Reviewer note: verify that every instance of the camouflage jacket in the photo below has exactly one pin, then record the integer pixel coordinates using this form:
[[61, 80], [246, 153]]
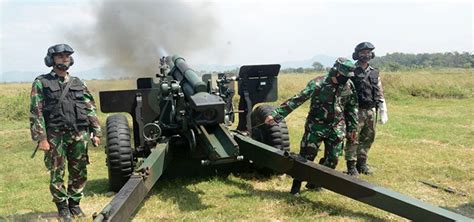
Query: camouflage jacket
[[37, 121], [331, 105]]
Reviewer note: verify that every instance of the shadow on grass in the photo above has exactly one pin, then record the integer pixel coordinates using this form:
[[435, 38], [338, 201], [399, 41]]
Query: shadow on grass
[[318, 206], [263, 175], [466, 209], [177, 191], [32, 216], [98, 186]]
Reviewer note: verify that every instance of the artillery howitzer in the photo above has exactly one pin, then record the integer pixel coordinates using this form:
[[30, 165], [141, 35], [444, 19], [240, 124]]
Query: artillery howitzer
[[180, 128]]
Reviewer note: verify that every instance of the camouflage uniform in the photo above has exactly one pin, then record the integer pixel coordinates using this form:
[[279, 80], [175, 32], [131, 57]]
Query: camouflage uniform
[[366, 135], [67, 143], [333, 112], [358, 149]]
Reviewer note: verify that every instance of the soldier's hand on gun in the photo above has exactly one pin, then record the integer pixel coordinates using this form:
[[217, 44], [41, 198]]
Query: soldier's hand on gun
[[269, 120], [95, 141], [43, 145]]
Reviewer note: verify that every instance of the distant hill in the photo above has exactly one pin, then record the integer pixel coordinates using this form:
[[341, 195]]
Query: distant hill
[[18, 76], [327, 61], [29, 76], [98, 73]]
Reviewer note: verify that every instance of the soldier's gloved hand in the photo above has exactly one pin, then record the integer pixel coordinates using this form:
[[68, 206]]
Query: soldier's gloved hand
[[383, 117], [383, 113], [43, 145]]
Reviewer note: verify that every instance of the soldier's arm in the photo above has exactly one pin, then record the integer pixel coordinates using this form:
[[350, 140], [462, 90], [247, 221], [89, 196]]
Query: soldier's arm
[[294, 102], [91, 110], [37, 124], [351, 111]]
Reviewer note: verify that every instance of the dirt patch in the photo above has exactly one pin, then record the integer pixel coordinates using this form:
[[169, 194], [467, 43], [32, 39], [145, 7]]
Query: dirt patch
[[432, 142]]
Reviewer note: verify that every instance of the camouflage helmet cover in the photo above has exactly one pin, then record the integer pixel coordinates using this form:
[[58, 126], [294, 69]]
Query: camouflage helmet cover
[[345, 66]]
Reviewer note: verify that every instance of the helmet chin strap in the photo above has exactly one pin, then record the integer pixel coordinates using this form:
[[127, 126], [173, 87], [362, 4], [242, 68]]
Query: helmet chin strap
[[62, 67]]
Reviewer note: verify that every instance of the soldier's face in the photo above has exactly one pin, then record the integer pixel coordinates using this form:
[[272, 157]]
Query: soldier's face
[[365, 52], [340, 78], [365, 55], [62, 58]]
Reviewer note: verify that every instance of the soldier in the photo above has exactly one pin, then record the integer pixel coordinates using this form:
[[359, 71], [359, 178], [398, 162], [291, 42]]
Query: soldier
[[371, 99], [63, 118], [332, 115]]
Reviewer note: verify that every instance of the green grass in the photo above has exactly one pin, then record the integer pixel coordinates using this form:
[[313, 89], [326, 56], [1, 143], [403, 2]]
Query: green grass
[[429, 136]]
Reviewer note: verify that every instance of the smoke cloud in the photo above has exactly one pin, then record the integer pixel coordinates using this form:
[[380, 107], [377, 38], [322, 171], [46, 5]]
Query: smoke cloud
[[132, 35]]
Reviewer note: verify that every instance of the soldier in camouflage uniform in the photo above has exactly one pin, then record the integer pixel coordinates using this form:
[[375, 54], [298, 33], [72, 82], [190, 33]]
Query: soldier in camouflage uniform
[[63, 123], [371, 99], [332, 115]]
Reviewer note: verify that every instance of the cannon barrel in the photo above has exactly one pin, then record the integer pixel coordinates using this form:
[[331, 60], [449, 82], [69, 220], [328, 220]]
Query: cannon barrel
[[181, 71], [207, 109]]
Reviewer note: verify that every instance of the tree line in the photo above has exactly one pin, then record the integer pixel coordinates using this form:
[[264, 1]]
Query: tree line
[[406, 61], [401, 61]]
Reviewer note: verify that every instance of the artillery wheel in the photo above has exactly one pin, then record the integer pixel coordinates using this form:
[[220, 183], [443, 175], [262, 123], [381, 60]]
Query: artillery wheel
[[275, 135], [119, 151]]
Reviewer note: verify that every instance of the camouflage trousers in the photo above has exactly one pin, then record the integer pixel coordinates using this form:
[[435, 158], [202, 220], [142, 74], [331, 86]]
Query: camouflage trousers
[[67, 147], [314, 135], [359, 149]]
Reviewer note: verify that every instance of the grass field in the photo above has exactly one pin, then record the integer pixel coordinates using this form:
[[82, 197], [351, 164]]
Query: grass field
[[429, 136]]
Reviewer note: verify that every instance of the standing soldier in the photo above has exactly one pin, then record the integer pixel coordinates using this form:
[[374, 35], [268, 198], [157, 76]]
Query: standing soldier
[[63, 118], [371, 100], [332, 115]]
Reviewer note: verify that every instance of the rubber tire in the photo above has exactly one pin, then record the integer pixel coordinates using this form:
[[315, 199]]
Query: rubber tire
[[119, 151], [275, 135]]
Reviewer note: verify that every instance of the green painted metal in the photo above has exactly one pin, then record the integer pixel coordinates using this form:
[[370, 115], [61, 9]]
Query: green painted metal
[[154, 165], [343, 184], [218, 141], [126, 201]]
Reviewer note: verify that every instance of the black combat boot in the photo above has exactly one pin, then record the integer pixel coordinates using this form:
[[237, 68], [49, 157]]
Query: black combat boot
[[351, 168], [76, 211], [296, 187], [362, 167], [63, 212]]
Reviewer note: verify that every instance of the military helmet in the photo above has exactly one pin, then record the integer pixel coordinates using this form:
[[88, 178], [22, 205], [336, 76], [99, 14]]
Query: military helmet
[[59, 48], [362, 46], [344, 66]]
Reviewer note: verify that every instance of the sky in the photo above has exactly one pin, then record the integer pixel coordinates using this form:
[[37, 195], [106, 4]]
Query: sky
[[226, 32]]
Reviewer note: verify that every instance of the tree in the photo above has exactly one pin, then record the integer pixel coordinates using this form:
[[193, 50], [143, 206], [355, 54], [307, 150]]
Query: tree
[[318, 66]]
